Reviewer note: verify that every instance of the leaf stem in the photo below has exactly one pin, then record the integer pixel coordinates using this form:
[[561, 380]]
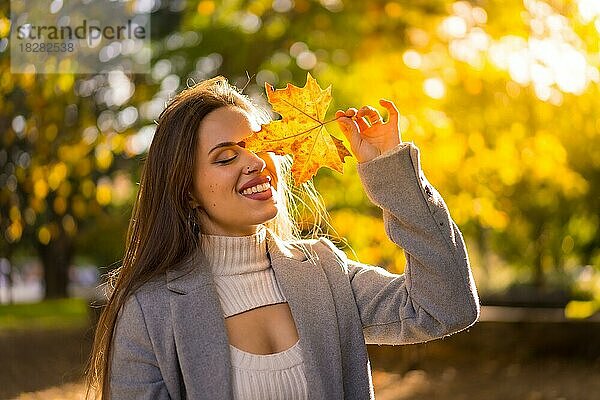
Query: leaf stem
[[330, 120]]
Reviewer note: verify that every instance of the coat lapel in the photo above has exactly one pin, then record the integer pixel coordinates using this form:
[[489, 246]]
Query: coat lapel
[[309, 296], [199, 331], [201, 336]]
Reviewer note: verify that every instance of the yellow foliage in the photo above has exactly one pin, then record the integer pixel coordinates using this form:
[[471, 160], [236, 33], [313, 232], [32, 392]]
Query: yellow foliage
[[366, 234], [40, 188], [51, 132], [275, 27], [14, 213], [65, 82], [448, 154], [573, 184], [506, 161], [78, 205], [460, 206], [57, 175], [476, 142], [567, 244], [258, 7], [37, 173], [60, 205], [104, 157], [4, 26], [27, 80], [393, 9], [117, 143], [44, 235], [488, 215], [87, 188], [84, 167], [549, 153], [64, 189], [206, 7], [103, 193], [72, 154], [69, 225], [583, 227], [581, 309], [37, 204], [14, 231]]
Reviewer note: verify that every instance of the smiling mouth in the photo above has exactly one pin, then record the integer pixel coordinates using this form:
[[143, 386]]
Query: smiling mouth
[[262, 195], [256, 189]]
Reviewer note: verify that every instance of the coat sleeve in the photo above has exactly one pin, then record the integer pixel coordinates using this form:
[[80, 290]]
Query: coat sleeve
[[436, 296], [134, 370]]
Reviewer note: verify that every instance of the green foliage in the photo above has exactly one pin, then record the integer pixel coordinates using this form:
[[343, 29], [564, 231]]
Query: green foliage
[[55, 314]]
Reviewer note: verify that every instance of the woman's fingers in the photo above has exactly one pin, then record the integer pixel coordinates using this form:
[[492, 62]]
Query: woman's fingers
[[347, 125], [366, 132], [371, 113], [362, 124], [392, 111], [351, 113]]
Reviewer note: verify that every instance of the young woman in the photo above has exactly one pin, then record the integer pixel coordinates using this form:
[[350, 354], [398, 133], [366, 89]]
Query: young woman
[[219, 298]]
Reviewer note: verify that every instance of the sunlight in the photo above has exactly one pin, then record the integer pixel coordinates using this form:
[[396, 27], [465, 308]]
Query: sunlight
[[434, 88], [589, 10], [140, 142], [412, 59], [552, 58], [454, 26]]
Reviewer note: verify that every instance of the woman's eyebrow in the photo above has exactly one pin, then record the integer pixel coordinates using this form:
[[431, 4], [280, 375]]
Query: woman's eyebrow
[[227, 144]]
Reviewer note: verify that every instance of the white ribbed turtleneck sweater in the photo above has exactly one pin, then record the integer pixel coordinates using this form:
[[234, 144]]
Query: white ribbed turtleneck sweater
[[245, 280]]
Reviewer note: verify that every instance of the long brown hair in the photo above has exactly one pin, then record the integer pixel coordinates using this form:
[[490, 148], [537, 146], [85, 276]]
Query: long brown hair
[[164, 229]]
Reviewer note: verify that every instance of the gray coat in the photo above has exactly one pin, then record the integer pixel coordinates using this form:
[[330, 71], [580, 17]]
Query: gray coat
[[171, 343]]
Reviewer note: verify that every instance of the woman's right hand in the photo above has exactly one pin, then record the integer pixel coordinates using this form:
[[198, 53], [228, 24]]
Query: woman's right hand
[[368, 141]]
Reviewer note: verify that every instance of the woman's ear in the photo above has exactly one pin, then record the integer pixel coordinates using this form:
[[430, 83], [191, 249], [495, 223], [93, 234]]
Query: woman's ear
[[193, 203]]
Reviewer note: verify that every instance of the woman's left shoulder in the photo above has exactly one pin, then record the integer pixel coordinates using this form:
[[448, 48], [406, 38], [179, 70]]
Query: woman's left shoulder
[[322, 248]]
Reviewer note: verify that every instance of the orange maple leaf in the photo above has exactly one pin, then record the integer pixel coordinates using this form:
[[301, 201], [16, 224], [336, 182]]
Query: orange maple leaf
[[301, 132]]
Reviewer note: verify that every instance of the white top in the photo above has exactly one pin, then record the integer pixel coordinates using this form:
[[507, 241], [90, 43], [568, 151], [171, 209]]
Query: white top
[[269, 377], [242, 271], [245, 280]]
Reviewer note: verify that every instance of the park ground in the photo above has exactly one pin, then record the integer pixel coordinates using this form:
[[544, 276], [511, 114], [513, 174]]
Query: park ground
[[492, 360]]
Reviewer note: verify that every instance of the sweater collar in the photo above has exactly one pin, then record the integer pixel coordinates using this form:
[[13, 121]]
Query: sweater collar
[[233, 255], [192, 272]]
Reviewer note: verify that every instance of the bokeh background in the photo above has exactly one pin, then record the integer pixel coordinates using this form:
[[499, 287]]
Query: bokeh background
[[502, 98]]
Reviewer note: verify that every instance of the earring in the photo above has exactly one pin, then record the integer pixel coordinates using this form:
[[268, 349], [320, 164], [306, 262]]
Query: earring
[[193, 224]]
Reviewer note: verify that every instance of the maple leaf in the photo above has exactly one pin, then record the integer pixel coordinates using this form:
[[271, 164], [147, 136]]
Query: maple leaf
[[301, 132]]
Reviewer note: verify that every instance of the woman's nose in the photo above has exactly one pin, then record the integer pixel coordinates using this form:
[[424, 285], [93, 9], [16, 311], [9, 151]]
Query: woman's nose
[[255, 163]]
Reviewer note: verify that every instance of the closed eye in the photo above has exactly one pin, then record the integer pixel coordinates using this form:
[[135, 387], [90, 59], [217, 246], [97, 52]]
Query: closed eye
[[227, 161]]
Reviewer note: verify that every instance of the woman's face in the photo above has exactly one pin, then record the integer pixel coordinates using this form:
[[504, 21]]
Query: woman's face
[[223, 168]]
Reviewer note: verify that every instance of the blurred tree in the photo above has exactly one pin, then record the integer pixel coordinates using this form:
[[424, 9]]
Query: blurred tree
[[66, 156], [505, 125], [58, 169]]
